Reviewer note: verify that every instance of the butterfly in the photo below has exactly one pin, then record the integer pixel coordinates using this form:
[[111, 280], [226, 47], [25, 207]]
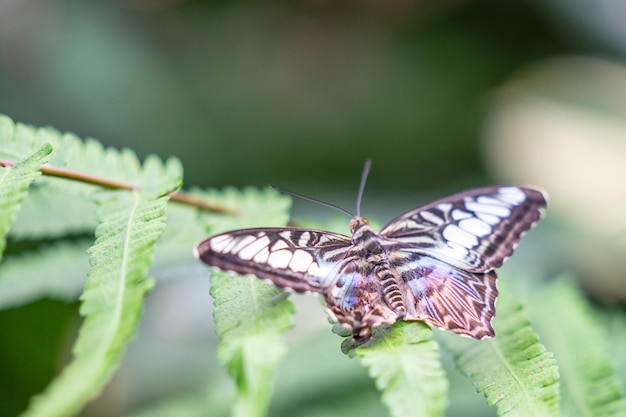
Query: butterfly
[[434, 264]]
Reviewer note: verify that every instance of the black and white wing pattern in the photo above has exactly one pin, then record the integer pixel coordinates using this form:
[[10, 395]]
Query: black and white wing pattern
[[434, 264], [449, 298], [293, 258], [446, 253], [476, 230]]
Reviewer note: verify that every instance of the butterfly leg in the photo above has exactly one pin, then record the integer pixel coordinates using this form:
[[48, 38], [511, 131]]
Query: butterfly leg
[[362, 334], [361, 315]]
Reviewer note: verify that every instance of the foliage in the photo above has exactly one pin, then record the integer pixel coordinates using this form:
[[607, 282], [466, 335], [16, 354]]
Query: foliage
[[140, 233], [405, 363], [250, 317], [129, 224], [21, 280], [514, 371], [14, 182], [590, 383]]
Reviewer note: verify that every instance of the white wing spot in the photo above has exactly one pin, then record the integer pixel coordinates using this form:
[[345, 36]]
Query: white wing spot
[[219, 242], [262, 256], [322, 239], [431, 217], [483, 199], [252, 249], [304, 239], [313, 269], [243, 242], [279, 259], [445, 207], [301, 261], [460, 214], [335, 253], [475, 226], [488, 218], [228, 247], [458, 251], [512, 195], [280, 244], [285, 235], [499, 211], [454, 233]]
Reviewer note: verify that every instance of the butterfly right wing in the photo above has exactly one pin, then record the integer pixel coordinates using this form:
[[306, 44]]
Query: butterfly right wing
[[303, 260], [476, 230], [447, 297]]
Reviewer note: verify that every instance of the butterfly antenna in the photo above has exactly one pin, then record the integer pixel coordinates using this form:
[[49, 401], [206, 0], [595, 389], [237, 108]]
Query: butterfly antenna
[[366, 171], [312, 200]]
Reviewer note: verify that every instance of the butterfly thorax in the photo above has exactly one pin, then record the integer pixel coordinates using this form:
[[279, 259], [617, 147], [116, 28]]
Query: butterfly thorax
[[367, 292]]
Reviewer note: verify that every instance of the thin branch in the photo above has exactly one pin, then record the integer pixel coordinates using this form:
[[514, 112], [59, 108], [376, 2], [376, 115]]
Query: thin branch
[[192, 200], [178, 196]]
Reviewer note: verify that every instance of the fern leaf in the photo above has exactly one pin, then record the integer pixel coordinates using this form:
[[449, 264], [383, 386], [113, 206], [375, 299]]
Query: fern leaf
[[14, 182], [207, 401], [60, 217], [514, 371], [253, 207], [250, 315], [590, 383], [70, 152], [129, 224], [406, 366], [23, 280], [614, 323]]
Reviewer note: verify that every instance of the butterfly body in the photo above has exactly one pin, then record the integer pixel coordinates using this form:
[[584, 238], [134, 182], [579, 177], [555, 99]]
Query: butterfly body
[[433, 264]]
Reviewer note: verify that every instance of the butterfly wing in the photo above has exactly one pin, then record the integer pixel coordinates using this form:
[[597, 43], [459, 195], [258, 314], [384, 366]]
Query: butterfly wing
[[302, 260], [449, 298], [475, 230]]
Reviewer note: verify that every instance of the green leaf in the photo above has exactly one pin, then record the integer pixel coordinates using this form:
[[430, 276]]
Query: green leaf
[[55, 271], [129, 224], [406, 366], [613, 320], [70, 152], [513, 370], [66, 266], [14, 183], [589, 382], [19, 140], [250, 315], [67, 211], [253, 207], [250, 318], [207, 401]]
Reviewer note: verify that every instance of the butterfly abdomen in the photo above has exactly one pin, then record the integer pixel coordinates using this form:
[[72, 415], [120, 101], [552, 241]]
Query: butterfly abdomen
[[390, 289]]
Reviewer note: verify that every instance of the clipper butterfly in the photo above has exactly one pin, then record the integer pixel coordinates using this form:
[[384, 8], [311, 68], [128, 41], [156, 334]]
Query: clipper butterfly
[[434, 264]]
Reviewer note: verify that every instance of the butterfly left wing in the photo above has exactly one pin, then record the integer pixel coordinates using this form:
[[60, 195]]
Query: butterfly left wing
[[449, 298], [475, 230], [293, 258]]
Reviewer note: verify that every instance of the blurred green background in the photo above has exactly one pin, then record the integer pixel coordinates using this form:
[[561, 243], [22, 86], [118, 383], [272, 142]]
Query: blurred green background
[[442, 94], [264, 92]]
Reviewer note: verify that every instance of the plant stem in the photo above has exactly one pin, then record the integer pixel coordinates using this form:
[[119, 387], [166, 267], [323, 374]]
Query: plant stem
[[178, 196]]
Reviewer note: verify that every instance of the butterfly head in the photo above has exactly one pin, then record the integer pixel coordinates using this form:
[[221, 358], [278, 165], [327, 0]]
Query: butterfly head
[[357, 223]]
